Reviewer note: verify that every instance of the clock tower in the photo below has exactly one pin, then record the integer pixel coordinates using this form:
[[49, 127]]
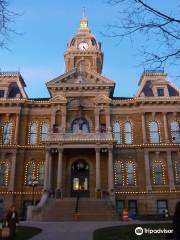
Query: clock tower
[[84, 51]]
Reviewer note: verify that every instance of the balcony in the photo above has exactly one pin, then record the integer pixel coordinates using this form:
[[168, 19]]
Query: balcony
[[79, 137]]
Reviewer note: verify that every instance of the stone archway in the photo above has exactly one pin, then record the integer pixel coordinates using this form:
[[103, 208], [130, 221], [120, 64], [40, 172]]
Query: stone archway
[[80, 178]]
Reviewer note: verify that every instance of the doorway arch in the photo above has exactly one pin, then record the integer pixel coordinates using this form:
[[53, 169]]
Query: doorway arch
[[80, 178]]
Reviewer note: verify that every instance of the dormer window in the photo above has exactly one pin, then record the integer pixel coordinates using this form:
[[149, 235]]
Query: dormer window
[[160, 92], [1, 93]]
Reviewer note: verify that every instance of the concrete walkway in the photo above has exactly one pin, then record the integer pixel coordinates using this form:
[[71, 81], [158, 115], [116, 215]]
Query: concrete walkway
[[68, 230], [74, 230]]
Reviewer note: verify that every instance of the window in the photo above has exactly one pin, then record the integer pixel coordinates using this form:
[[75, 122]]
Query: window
[[120, 205], [162, 205], [175, 132], [1, 93], [3, 174], [80, 125], [40, 174], [7, 133], [119, 173], [117, 132], [177, 172], [44, 131], [158, 173], [160, 92], [128, 133], [130, 169], [132, 208], [33, 133], [29, 173], [154, 132]]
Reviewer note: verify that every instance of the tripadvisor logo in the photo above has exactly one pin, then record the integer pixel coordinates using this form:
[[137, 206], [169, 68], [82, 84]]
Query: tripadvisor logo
[[139, 231]]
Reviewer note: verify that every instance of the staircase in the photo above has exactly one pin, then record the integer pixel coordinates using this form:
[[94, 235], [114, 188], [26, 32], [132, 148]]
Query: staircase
[[89, 210]]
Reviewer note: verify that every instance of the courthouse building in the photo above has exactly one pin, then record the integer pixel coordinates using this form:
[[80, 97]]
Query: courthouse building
[[83, 139]]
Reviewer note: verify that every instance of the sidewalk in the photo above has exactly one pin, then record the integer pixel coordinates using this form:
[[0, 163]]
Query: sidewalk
[[68, 230], [74, 230]]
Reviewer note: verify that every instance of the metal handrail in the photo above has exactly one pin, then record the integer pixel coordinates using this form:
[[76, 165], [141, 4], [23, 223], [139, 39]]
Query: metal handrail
[[77, 203]]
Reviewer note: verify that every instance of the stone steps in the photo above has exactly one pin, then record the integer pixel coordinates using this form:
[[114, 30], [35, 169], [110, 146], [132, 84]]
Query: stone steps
[[89, 210]]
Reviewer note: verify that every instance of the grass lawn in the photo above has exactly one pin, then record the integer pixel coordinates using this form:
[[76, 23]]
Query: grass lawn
[[24, 233], [127, 232]]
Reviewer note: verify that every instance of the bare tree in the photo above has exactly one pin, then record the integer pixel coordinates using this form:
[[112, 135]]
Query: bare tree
[[156, 27], [6, 19]]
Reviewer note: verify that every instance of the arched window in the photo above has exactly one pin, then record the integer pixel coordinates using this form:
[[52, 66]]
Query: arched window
[[119, 173], [117, 132], [175, 131], [7, 133], [154, 132], [158, 173], [40, 174], [130, 172], [4, 172], [80, 125], [29, 173], [177, 172], [44, 131], [33, 133], [128, 133]]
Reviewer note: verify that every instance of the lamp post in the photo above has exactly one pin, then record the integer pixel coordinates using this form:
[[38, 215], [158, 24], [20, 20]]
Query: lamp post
[[33, 182]]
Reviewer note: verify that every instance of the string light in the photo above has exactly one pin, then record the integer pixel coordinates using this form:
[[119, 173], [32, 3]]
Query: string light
[[28, 166], [11, 134], [123, 167], [177, 172], [156, 164], [6, 172]]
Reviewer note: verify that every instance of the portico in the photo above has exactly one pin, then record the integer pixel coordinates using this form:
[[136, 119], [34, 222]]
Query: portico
[[59, 161]]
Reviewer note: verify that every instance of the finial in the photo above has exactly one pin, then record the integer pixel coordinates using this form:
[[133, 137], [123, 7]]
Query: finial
[[84, 21], [84, 11]]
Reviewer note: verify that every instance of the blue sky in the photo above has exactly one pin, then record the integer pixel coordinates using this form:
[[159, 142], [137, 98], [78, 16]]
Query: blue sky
[[46, 26]]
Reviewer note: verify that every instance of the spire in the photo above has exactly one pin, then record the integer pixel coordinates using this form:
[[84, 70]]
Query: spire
[[84, 21]]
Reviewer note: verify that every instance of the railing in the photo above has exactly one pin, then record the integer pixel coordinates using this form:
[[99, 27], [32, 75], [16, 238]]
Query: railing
[[79, 137], [10, 73], [77, 203], [149, 71]]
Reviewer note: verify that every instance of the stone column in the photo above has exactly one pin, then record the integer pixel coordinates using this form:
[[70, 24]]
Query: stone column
[[144, 128], [170, 171], [110, 170], [59, 169], [53, 117], [108, 122], [147, 171], [12, 173], [63, 122], [165, 127], [17, 129], [46, 168], [97, 120], [50, 172], [98, 169]]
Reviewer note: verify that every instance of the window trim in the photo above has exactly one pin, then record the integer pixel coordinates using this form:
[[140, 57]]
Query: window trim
[[119, 133], [35, 134], [128, 132], [154, 132]]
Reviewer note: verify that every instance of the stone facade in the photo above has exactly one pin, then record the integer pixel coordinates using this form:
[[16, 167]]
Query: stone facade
[[125, 147]]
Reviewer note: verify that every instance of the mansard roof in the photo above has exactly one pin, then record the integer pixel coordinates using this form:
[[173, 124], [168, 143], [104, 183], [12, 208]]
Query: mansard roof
[[152, 80]]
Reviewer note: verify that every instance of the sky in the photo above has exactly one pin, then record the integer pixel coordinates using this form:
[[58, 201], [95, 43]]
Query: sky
[[45, 27]]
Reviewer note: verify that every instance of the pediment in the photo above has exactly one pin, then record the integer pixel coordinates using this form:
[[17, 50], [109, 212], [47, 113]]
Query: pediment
[[102, 99], [59, 99], [75, 77]]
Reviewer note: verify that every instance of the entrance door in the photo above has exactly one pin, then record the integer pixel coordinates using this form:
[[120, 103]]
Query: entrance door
[[80, 179]]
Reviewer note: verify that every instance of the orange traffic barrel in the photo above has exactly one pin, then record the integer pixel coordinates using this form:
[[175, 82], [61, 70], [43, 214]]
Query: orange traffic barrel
[[125, 216], [76, 217]]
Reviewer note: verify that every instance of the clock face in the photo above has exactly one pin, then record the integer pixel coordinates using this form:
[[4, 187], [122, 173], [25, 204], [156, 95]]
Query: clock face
[[83, 46]]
